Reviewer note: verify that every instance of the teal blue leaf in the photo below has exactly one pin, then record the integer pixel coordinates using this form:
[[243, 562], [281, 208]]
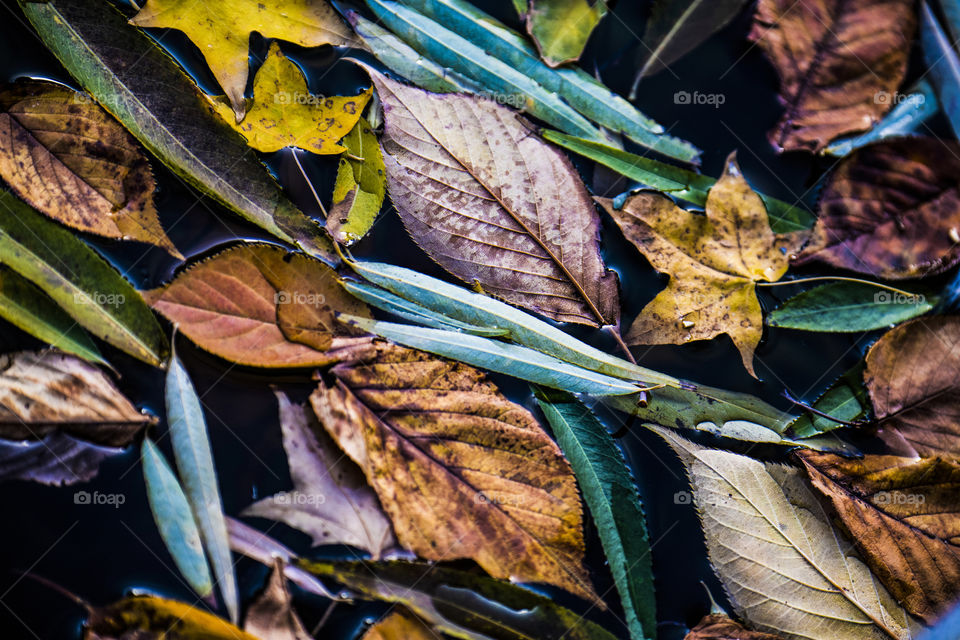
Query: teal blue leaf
[[943, 65]]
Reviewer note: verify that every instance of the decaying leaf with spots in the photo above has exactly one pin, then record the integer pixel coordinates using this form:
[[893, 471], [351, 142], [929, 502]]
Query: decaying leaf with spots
[[461, 471], [360, 188], [713, 260], [221, 30], [400, 625], [63, 154], [286, 114], [151, 617], [720, 627], [903, 514], [840, 64], [913, 377], [891, 210], [257, 305]]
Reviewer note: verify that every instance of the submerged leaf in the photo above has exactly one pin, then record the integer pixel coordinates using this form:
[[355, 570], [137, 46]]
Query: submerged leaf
[[271, 616], [561, 28], [56, 459], [400, 625], [943, 63], [435, 438], [840, 64], [360, 187], [70, 160], [492, 203], [150, 617]]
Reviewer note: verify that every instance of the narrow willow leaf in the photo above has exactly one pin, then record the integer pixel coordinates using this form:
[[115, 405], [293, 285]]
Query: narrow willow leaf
[[360, 187], [79, 280], [612, 497], [845, 400], [171, 512], [146, 616], [948, 628], [943, 64], [919, 105], [679, 183], [847, 307], [31, 310], [191, 446], [494, 355], [141, 86]]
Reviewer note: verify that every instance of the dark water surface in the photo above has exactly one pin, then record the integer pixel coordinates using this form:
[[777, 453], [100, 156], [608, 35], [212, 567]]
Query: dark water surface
[[101, 552]]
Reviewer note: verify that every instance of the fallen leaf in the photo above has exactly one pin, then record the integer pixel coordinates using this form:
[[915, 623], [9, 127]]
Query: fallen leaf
[[714, 261], [492, 203], [286, 114], [940, 56], [461, 471], [271, 615], [152, 618], [783, 566], [47, 392], [720, 627], [360, 187], [256, 304], [891, 210], [400, 625], [330, 500], [903, 515], [56, 459], [913, 376], [840, 64], [221, 30], [561, 28], [63, 154]]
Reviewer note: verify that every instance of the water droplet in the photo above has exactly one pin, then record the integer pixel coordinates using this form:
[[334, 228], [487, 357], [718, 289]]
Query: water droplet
[[954, 234]]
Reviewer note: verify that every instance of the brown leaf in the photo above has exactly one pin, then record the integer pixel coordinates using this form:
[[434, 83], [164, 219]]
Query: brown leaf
[[904, 516], [71, 161], [271, 616], [49, 391], [720, 627], [491, 202], [400, 625], [714, 261], [913, 377], [461, 471], [840, 63], [153, 618], [257, 305], [891, 210]]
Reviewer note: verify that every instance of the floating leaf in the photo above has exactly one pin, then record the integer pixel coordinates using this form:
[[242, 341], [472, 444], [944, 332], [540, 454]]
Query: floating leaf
[[286, 114], [399, 625], [913, 376], [191, 447], [257, 305], [840, 64], [784, 567], [847, 307], [152, 617], [612, 497], [714, 261], [527, 235], [891, 210], [360, 187], [943, 64], [56, 459], [434, 437], [70, 160], [330, 501], [143, 88], [845, 400], [221, 30], [78, 280], [561, 28], [174, 519], [271, 616], [721, 627], [903, 515]]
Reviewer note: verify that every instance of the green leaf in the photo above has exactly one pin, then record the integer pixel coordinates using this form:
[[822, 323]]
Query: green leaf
[[79, 280], [609, 492], [846, 399], [465, 605], [29, 309], [191, 447], [679, 183], [847, 307], [360, 187], [142, 87], [171, 512], [561, 28], [943, 65]]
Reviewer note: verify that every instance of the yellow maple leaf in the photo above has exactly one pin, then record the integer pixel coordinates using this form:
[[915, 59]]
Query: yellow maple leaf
[[221, 30], [286, 114], [714, 261]]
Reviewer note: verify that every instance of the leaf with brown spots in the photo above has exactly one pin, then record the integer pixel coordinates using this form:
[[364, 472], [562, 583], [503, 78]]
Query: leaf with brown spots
[[491, 202], [461, 471], [891, 210], [840, 64], [904, 516], [720, 627], [714, 261], [257, 305], [400, 625], [913, 377], [63, 154]]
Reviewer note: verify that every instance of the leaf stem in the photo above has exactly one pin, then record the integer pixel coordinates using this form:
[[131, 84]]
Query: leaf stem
[[309, 184], [612, 329], [842, 278]]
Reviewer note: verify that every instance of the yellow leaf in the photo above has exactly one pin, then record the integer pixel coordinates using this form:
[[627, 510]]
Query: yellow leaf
[[713, 260], [286, 114], [221, 30], [400, 625]]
